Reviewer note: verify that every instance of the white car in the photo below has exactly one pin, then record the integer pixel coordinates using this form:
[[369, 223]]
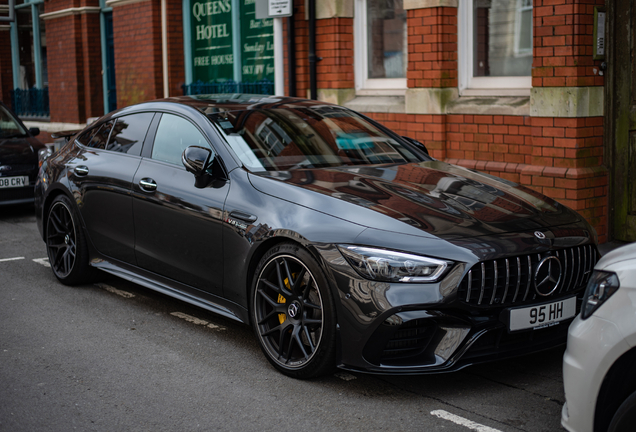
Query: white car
[[599, 365]]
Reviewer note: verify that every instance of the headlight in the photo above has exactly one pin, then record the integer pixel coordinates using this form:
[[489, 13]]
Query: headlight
[[600, 287], [44, 154], [390, 266]]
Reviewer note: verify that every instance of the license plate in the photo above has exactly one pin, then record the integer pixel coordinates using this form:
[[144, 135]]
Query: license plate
[[12, 182], [541, 316]]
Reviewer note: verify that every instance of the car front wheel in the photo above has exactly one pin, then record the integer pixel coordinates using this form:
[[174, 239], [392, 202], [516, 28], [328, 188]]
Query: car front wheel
[[625, 418], [293, 312]]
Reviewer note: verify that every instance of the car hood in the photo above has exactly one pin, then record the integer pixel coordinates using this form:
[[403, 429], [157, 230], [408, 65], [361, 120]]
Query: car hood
[[428, 199], [19, 150]]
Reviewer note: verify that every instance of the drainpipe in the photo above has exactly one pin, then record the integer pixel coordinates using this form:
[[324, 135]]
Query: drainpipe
[[291, 55], [164, 49], [312, 51]]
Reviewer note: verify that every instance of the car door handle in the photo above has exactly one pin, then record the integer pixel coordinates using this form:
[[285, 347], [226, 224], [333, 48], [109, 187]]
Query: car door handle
[[148, 184], [81, 170], [243, 216]]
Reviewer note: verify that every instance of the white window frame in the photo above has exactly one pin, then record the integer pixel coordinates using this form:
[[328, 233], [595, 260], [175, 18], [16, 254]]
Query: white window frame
[[364, 85], [520, 10], [482, 86]]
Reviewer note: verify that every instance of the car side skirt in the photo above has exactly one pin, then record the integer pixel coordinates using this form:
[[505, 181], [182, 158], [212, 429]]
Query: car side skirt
[[178, 291]]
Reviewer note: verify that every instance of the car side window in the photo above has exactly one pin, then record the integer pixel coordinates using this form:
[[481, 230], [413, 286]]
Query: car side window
[[97, 137], [174, 135], [129, 133]]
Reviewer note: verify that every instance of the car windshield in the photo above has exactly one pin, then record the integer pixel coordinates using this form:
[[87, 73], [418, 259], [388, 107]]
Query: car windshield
[[9, 127], [286, 138]]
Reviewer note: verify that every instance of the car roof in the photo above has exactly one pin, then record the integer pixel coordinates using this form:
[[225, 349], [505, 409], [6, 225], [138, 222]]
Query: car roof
[[211, 103]]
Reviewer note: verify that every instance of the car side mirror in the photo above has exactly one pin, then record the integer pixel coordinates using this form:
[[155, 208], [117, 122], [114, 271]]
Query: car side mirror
[[417, 144], [34, 131], [196, 159]]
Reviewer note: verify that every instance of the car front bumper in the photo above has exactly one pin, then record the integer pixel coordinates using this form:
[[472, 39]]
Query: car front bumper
[[593, 346], [393, 328]]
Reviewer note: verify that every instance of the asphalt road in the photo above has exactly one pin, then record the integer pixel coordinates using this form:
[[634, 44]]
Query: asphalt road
[[114, 356]]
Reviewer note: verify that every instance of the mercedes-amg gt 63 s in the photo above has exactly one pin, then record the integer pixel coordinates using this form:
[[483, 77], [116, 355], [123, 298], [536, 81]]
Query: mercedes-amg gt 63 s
[[340, 242]]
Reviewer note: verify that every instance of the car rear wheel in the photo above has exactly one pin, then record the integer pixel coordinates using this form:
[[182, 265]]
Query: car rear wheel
[[65, 243], [293, 312]]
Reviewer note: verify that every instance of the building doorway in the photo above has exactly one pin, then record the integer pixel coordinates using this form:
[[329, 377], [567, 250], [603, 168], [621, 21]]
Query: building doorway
[[620, 118]]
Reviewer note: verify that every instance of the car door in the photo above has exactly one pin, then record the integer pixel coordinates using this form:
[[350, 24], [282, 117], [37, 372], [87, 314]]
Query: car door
[[102, 175], [178, 226]]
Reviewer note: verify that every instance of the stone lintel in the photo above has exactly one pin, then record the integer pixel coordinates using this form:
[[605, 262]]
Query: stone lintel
[[423, 4], [377, 104], [567, 101], [336, 96], [70, 11], [490, 105], [326, 9], [429, 100], [115, 3]]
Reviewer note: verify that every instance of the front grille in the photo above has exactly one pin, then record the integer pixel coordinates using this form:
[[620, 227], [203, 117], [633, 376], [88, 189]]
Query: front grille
[[10, 194], [18, 169], [509, 281]]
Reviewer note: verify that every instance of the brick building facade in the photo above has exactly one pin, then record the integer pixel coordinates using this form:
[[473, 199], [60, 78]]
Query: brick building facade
[[548, 134]]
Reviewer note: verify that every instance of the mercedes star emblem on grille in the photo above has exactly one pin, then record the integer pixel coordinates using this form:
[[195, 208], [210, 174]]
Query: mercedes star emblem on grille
[[547, 276]]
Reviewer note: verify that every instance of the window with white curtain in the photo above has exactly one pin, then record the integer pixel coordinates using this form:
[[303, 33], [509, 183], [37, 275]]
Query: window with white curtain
[[380, 45], [495, 46]]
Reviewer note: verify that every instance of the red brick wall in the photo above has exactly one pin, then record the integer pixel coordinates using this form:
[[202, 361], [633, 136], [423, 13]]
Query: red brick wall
[[65, 64], [334, 43], [176, 65], [91, 50], [563, 45], [432, 44], [74, 63], [301, 42], [6, 72], [561, 158], [137, 31]]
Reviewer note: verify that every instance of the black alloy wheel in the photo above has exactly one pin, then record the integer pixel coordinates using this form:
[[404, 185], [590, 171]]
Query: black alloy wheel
[[65, 243], [293, 313]]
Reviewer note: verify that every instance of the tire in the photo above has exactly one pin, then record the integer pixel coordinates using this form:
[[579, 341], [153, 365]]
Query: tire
[[625, 418], [66, 243], [293, 313]]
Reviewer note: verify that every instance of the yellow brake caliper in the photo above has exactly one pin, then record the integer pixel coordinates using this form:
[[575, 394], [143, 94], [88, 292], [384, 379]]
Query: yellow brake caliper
[[282, 317]]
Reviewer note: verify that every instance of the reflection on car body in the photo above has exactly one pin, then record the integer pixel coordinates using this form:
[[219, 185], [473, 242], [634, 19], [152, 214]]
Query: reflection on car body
[[340, 242]]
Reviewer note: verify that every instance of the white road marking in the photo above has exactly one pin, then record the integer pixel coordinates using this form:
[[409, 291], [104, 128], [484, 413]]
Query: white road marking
[[462, 421], [197, 321], [11, 259], [114, 290], [43, 261]]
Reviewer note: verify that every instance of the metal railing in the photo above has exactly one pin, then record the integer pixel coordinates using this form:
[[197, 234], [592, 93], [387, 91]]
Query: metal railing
[[264, 87], [32, 102]]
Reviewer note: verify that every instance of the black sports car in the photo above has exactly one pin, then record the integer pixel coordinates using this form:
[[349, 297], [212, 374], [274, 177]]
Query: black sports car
[[340, 242], [18, 159]]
